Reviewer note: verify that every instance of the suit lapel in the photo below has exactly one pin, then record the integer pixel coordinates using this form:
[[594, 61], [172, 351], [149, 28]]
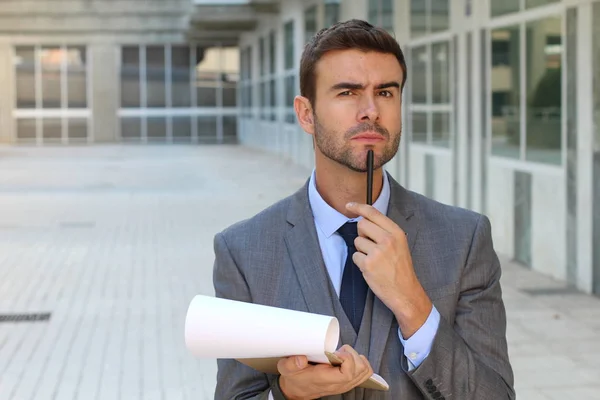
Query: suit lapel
[[401, 211], [305, 253]]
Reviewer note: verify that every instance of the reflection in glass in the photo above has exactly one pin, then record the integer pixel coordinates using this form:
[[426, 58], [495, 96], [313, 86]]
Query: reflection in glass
[[501, 7], [182, 129], [544, 91], [78, 128], [418, 18], [440, 132], [76, 60], [181, 77], [52, 128], [440, 15], [131, 127], [272, 52], [506, 84], [440, 67], [130, 77], [155, 77], [537, 3], [26, 128], [229, 91], [387, 15], [51, 60], [522, 217], [419, 127], [25, 74]]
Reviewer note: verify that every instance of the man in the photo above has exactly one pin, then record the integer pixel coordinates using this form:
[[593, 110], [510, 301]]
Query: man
[[414, 284]]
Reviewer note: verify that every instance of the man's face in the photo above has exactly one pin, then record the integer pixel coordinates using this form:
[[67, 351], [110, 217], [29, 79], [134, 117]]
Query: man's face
[[358, 107]]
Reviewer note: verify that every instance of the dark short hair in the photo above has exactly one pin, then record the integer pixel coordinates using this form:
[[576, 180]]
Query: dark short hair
[[353, 34]]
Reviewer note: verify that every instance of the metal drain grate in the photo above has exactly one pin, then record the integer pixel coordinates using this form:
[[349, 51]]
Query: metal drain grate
[[30, 317]]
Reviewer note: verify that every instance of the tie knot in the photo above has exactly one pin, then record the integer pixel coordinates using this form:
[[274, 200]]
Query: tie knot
[[349, 232]]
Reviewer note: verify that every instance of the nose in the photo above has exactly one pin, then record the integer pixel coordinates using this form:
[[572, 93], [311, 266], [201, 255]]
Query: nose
[[368, 109]]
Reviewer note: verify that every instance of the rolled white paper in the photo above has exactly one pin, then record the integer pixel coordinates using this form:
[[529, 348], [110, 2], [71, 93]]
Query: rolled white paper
[[221, 328]]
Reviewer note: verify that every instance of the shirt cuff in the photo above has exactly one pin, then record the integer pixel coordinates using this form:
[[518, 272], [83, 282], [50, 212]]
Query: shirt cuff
[[418, 346]]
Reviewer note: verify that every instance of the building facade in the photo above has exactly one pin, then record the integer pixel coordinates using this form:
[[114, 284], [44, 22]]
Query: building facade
[[96, 71], [501, 113]]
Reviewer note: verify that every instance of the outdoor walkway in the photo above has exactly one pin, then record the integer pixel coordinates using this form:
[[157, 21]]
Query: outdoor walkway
[[114, 241]]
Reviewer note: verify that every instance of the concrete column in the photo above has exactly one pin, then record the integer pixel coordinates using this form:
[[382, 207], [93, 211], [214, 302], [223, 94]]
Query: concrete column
[[105, 91], [6, 94]]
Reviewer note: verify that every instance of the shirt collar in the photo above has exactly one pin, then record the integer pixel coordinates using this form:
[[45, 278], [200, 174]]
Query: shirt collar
[[328, 219]]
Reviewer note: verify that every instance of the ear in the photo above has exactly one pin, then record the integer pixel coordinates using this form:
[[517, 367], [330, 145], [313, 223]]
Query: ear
[[304, 113]]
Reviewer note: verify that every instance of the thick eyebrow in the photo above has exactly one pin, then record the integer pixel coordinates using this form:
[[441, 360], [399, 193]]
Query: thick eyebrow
[[358, 86]]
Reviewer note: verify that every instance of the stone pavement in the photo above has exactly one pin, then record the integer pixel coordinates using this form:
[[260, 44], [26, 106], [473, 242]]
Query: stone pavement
[[114, 241]]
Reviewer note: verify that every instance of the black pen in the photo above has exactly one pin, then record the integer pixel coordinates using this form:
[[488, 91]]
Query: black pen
[[370, 177]]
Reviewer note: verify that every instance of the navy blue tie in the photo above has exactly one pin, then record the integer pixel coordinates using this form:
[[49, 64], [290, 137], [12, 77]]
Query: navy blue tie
[[353, 292]]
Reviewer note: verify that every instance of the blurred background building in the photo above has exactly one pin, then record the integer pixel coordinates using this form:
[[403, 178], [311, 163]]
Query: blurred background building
[[501, 110]]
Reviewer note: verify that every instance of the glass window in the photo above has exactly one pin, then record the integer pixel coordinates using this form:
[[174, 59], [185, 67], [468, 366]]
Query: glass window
[[373, 12], [130, 77], [544, 90], [51, 61], [441, 129], [76, 77], [418, 18], [78, 128], [439, 15], [261, 56], [229, 89], [207, 76], [310, 23], [26, 128], [207, 129], [229, 128], [419, 69], [387, 15], [429, 16], [419, 127], [596, 144], [273, 97], [501, 7], [131, 128], [25, 74], [52, 128], [440, 73], [182, 128], [289, 45], [181, 85], [506, 83], [290, 94], [537, 3], [155, 77], [157, 127], [332, 12], [272, 54]]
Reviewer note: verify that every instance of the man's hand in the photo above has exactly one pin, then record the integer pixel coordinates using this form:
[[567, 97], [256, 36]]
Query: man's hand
[[384, 258], [299, 380]]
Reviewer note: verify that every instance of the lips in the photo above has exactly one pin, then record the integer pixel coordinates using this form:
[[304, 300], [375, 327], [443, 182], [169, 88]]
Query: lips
[[368, 137]]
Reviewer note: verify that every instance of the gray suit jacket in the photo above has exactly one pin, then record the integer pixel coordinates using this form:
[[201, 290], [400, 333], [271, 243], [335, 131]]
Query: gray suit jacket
[[274, 259]]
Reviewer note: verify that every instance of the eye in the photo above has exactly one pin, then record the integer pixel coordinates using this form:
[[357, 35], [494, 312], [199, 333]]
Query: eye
[[345, 93], [386, 93]]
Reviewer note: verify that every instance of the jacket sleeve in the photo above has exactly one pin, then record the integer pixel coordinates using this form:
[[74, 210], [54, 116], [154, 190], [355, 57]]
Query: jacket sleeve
[[236, 381], [469, 356]]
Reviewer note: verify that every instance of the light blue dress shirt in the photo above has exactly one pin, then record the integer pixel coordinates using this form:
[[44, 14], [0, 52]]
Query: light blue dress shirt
[[334, 250]]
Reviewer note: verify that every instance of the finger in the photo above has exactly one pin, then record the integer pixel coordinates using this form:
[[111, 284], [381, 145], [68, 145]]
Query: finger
[[292, 365], [372, 231], [360, 260], [350, 366], [364, 245], [373, 215]]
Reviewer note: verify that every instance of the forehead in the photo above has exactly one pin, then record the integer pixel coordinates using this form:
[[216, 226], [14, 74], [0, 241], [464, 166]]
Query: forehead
[[357, 66]]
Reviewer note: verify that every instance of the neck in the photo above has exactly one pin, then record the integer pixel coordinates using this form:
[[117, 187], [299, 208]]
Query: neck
[[339, 185]]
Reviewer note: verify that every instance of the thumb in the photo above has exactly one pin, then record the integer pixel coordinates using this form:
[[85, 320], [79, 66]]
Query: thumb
[[292, 365]]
